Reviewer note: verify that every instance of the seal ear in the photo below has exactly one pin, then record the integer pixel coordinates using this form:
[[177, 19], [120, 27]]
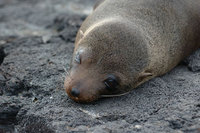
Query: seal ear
[[99, 2], [145, 76]]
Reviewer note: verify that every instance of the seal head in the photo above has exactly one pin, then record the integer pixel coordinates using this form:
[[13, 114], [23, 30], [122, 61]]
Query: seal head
[[103, 64], [124, 43]]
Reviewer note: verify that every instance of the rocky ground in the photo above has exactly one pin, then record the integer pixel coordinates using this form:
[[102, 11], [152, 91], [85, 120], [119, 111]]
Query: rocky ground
[[36, 44]]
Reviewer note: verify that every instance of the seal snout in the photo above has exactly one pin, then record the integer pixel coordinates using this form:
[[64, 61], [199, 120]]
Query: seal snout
[[81, 90], [75, 92]]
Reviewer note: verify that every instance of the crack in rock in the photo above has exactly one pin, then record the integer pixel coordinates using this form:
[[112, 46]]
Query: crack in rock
[[9, 108], [2, 55], [193, 61], [67, 26], [14, 87], [34, 125]]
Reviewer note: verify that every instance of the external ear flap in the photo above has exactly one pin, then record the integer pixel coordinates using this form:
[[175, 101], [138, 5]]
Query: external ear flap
[[145, 75], [78, 58], [99, 2]]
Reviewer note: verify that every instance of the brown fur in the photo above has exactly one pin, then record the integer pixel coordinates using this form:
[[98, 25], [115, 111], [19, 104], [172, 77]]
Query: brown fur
[[134, 40]]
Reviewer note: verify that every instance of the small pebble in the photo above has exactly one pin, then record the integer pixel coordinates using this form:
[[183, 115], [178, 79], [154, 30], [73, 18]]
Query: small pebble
[[34, 99], [2, 42], [138, 126], [46, 38]]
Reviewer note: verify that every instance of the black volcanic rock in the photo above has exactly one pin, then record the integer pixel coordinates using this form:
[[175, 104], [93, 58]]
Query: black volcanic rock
[[2, 55]]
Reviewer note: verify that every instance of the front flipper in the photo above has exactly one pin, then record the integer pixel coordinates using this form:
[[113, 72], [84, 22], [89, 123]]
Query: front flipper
[[99, 2]]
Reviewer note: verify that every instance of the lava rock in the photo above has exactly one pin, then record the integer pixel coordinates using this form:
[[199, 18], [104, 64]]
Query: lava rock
[[2, 55], [32, 95]]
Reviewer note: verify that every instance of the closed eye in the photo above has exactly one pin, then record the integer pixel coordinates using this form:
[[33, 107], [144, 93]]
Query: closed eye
[[77, 58], [111, 83]]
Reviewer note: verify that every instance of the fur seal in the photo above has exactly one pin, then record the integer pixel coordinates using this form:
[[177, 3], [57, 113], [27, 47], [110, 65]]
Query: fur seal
[[125, 43]]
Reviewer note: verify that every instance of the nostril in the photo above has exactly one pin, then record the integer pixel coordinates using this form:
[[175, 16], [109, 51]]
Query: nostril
[[75, 92]]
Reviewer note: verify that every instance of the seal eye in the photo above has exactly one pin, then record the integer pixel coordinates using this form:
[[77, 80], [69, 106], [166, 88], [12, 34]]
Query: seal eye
[[78, 58], [111, 83]]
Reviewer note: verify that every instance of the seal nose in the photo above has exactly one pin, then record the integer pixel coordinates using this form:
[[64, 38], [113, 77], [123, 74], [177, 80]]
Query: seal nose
[[75, 92]]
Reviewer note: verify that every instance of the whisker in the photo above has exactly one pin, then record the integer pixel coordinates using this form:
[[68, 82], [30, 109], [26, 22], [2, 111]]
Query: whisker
[[64, 69], [99, 61], [117, 95], [63, 77], [66, 73]]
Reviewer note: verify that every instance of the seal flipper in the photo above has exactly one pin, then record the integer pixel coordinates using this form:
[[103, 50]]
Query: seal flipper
[[99, 2]]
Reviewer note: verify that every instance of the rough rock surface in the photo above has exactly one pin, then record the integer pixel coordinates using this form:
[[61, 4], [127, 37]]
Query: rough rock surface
[[36, 44]]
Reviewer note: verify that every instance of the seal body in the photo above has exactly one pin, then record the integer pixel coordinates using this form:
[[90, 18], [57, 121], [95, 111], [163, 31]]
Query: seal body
[[124, 43]]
